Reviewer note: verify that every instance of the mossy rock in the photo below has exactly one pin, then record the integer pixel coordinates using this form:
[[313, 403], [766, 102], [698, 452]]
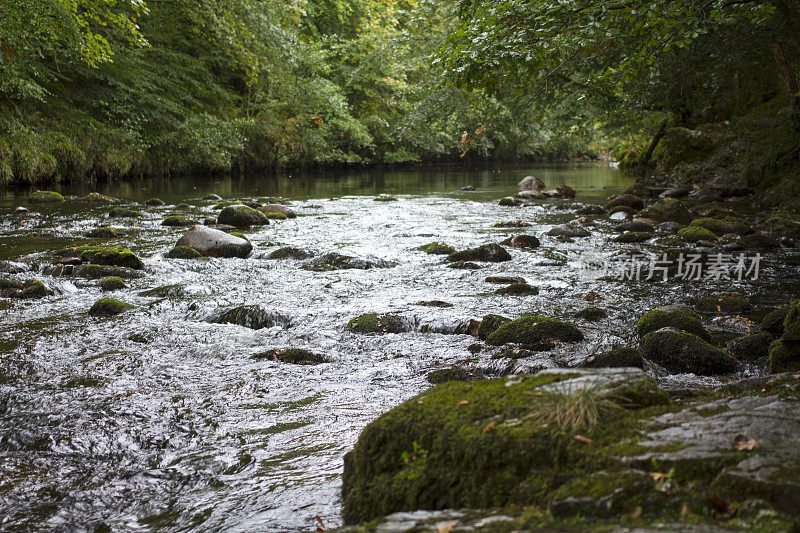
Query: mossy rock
[[45, 197], [518, 289], [97, 198], [534, 329], [726, 304], [633, 237], [23, 289], [511, 224], [275, 216], [682, 352], [668, 210], [112, 283], [758, 241], [723, 226], [591, 314], [165, 291], [121, 212], [385, 198], [694, 234], [509, 201], [290, 252], [784, 356], [476, 445], [791, 324], [178, 221], [627, 200], [378, 323], [751, 347], [616, 357], [457, 373], [437, 248], [250, 316], [103, 232], [773, 321], [489, 325], [102, 271], [106, 307], [154, 202], [622, 209], [112, 256], [224, 204], [681, 318], [493, 253], [183, 252], [242, 216], [295, 356]]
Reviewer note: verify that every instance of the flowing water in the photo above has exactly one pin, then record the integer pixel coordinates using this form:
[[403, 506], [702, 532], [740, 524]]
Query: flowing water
[[185, 432]]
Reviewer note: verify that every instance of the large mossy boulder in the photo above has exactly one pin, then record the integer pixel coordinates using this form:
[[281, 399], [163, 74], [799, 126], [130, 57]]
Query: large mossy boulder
[[102, 271], [670, 316], [23, 289], [242, 216], [724, 304], [616, 357], [493, 443], [723, 226], [112, 256], [668, 210], [105, 307], [378, 323], [212, 242], [751, 347], [489, 325], [694, 234], [533, 330], [45, 197], [492, 253], [681, 352], [112, 283]]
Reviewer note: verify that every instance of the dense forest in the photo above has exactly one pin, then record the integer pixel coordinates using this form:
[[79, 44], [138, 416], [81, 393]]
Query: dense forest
[[107, 88]]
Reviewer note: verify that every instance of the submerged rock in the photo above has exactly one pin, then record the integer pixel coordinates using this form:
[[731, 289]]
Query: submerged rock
[[668, 210], [23, 289], [566, 230], [250, 316], [672, 316], [290, 252], [334, 261], [242, 216], [106, 307], [616, 357], [437, 248], [534, 329], [102, 271], [295, 356], [518, 289], [378, 323], [112, 283], [211, 242], [682, 352], [506, 280], [493, 253]]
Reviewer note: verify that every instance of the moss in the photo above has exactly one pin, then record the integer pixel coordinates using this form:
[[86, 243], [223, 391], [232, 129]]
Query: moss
[[103, 232], [121, 212], [751, 347], [224, 204], [112, 256], [724, 304], [723, 226], [154, 202], [633, 237], [773, 321], [509, 201], [23, 290], [45, 197], [112, 283], [680, 352], [784, 356], [681, 318], [295, 356], [437, 248], [178, 221], [165, 291], [105, 307], [622, 209], [101, 271], [694, 234], [791, 324], [183, 252], [275, 216], [518, 289], [242, 216], [616, 357], [489, 325], [531, 330], [668, 210], [458, 373], [488, 252], [377, 323]]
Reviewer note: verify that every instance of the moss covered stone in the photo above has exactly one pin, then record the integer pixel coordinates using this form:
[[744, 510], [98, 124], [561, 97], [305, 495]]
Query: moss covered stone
[[694, 234], [489, 325], [773, 321], [103, 232], [751, 347], [102, 271], [105, 307], [112, 256], [534, 329], [154, 202], [724, 304], [250, 316], [183, 252], [668, 210], [112, 283], [242, 216], [437, 248], [633, 237], [616, 357], [723, 226], [224, 204], [165, 291], [784, 356], [23, 289], [518, 289], [509, 201], [45, 197], [378, 323], [591, 314], [627, 200], [791, 324], [682, 352], [457, 373], [178, 221], [121, 212], [295, 356], [290, 252], [493, 253], [681, 318], [275, 216]]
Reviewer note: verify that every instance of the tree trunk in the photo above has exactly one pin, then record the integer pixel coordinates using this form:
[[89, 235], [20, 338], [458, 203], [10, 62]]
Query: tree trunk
[[662, 129], [787, 75]]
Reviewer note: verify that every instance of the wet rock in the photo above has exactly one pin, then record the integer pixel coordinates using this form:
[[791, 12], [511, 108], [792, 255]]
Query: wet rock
[[121, 212], [102, 271], [97, 198], [566, 230], [103, 232], [183, 252], [751, 347], [178, 221], [562, 191], [20, 211], [531, 183], [524, 241], [334, 261], [10, 267], [616, 357], [242, 216], [791, 324], [693, 234], [23, 289], [184, 206], [493, 253], [676, 192], [784, 356], [529, 195], [633, 237], [165, 291], [511, 224], [295, 356], [668, 210], [107, 307], [534, 329], [517, 289], [512, 352], [634, 226], [621, 212], [724, 304], [112, 283], [437, 248], [509, 201], [465, 265], [672, 316], [591, 314], [112, 256], [723, 226], [590, 210], [773, 321], [45, 197], [506, 280], [155, 202], [250, 316], [758, 241], [682, 352], [212, 197], [277, 208], [385, 198], [211, 242], [668, 227], [468, 188], [627, 200], [290, 252], [222, 205], [210, 221], [489, 325], [458, 373], [434, 303], [378, 323]]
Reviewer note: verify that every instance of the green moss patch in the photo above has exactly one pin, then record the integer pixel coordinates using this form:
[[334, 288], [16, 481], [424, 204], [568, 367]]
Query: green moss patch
[[532, 330], [112, 256], [681, 318], [106, 307]]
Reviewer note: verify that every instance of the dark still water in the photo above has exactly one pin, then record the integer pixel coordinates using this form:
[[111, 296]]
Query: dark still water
[[160, 420]]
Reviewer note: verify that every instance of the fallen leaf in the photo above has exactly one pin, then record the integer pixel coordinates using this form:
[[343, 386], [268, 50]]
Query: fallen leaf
[[744, 444], [321, 526], [446, 528], [463, 402], [582, 439], [658, 476], [685, 511], [490, 426]]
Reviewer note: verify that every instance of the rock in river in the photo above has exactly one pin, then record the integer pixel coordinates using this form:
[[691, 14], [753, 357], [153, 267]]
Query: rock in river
[[534, 329], [334, 261], [242, 216], [250, 316], [215, 243], [493, 253], [565, 230], [680, 352]]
